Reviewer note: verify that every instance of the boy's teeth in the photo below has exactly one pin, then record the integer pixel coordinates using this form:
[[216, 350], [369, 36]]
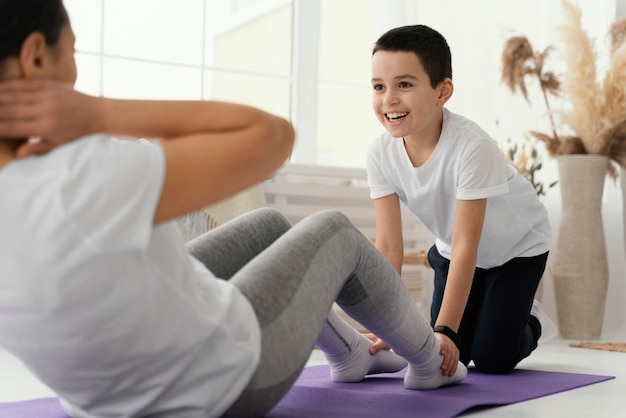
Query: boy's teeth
[[395, 115]]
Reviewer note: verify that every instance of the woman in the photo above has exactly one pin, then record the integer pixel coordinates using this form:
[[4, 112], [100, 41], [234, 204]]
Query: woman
[[101, 299]]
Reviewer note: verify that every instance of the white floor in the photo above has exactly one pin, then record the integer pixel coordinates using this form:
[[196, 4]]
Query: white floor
[[605, 399]]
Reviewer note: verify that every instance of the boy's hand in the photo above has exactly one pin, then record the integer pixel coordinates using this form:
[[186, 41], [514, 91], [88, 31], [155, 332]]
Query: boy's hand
[[50, 111], [450, 354], [378, 344]]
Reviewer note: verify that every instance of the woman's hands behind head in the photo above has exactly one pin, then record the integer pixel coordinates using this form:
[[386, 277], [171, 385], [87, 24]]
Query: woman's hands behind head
[[53, 112], [212, 149]]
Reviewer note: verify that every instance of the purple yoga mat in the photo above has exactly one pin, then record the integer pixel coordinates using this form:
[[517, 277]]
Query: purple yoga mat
[[315, 395], [37, 408]]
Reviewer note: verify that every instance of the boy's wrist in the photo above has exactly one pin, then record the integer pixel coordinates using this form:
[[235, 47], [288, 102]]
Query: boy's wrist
[[448, 332]]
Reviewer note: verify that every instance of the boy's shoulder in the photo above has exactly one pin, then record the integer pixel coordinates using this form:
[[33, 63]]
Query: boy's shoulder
[[450, 117], [457, 124]]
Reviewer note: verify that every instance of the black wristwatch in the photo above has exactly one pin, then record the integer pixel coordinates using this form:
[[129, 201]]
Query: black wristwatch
[[442, 329]]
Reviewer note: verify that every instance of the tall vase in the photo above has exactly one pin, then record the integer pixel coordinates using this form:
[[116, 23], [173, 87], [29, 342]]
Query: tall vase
[[622, 175], [581, 271]]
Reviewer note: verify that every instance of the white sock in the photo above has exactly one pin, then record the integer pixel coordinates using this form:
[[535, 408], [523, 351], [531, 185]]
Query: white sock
[[424, 370], [406, 330], [347, 353], [548, 329], [379, 300]]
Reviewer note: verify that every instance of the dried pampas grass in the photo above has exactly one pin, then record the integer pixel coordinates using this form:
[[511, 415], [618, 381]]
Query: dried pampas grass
[[617, 34], [596, 112], [579, 82], [517, 63], [520, 61], [614, 112], [616, 143]]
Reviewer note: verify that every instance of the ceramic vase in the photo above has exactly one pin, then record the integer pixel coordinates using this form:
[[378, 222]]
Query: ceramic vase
[[580, 268]]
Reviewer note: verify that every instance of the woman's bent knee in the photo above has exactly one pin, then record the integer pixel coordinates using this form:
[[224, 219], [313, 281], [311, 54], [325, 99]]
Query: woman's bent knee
[[335, 217], [272, 215]]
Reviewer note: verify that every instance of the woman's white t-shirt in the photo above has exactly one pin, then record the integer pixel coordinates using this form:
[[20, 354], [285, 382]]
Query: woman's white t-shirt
[[465, 165], [103, 306]]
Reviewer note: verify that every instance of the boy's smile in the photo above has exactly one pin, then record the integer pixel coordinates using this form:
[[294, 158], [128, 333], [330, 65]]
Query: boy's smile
[[395, 116], [403, 99]]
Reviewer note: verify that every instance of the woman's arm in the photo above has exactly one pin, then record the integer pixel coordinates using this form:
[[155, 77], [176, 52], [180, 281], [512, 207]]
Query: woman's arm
[[212, 149], [389, 238], [216, 162], [468, 225]]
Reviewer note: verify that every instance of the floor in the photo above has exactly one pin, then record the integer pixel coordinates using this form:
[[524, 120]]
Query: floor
[[605, 399]]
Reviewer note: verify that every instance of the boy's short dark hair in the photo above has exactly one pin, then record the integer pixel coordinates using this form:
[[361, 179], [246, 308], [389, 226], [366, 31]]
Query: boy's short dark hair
[[429, 45]]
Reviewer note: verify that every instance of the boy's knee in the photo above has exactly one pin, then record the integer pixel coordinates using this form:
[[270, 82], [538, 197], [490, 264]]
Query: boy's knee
[[494, 365]]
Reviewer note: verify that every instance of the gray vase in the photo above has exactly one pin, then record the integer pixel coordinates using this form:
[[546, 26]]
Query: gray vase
[[581, 271]]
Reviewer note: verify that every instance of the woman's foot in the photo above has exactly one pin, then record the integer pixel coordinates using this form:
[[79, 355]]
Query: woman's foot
[[358, 362], [424, 370]]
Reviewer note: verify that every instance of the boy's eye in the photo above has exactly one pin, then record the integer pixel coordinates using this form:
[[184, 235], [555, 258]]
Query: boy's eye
[[377, 87], [404, 85]]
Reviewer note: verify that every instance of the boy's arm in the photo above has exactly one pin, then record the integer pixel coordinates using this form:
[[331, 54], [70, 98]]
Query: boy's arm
[[389, 238], [468, 225]]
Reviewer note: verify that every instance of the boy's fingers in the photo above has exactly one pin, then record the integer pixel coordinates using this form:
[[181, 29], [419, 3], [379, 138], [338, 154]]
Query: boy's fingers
[[453, 368], [378, 345]]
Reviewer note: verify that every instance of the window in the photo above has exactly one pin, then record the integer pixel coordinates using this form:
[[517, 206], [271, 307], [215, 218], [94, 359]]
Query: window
[[227, 50], [308, 60]]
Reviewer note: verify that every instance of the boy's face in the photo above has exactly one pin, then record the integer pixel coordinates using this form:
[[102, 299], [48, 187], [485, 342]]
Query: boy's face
[[403, 99]]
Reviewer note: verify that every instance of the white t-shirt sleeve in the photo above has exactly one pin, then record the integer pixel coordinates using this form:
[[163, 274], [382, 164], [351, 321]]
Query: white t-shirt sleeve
[[110, 193], [482, 171], [376, 180]]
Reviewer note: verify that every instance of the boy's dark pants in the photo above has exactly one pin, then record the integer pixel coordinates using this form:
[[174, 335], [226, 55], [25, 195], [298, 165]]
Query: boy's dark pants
[[497, 330]]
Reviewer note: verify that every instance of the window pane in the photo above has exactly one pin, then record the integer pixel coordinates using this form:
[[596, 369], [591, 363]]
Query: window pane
[[132, 79], [345, 41], [88, 74], [162, 30], [269, 94], [346, 125], [85, 16], [260, 45]]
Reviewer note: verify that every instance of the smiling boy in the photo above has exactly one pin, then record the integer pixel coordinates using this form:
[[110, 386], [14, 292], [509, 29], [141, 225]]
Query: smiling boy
[[492, 232]]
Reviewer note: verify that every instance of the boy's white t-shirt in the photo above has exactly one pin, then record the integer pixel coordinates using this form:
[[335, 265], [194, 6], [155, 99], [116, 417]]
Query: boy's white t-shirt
[[103, 306], [466, 165]]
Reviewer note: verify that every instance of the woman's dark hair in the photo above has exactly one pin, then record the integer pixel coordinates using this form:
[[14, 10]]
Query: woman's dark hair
[[20, 18], [429, 45]]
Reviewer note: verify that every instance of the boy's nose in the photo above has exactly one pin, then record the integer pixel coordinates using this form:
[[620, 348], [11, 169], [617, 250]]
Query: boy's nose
[[390, 98]]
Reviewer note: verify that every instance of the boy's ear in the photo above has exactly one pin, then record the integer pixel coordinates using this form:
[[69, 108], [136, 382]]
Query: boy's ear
[[33, 55], [446, 88]]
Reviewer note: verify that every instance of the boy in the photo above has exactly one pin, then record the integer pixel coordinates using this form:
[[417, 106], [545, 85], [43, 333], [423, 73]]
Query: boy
[[492, 232]]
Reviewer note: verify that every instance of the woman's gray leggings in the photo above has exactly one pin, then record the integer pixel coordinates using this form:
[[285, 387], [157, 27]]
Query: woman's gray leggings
[[292, 276]]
